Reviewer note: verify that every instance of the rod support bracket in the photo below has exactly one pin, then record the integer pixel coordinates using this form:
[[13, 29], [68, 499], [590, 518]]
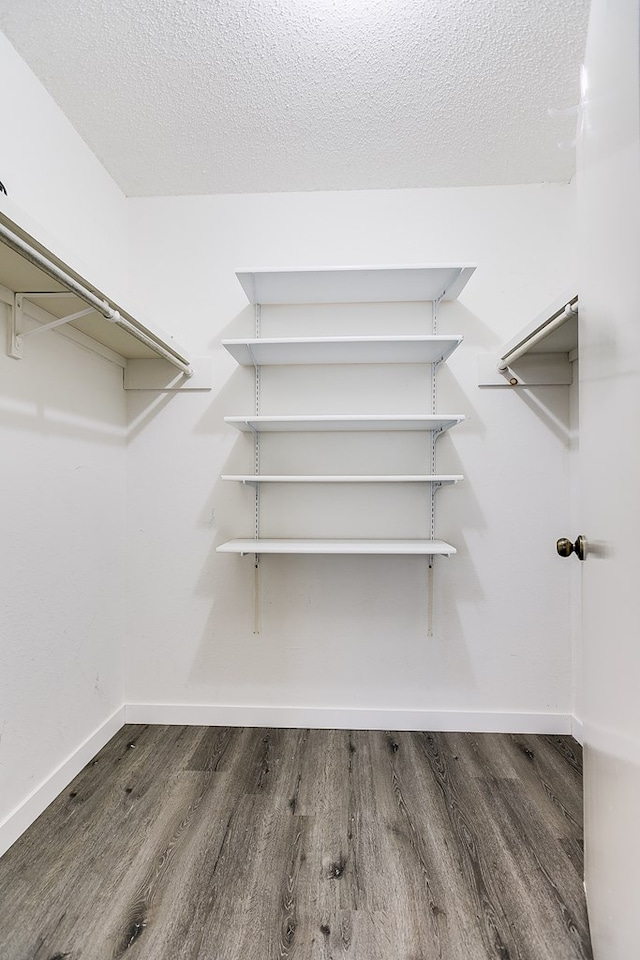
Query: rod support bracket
[[15, 343]]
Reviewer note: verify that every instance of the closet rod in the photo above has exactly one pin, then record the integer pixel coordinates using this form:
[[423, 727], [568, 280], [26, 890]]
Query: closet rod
[[102, 307], [569, 310]]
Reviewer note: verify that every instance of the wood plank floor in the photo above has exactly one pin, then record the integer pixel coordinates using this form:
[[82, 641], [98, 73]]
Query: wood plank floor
[[210, 843]]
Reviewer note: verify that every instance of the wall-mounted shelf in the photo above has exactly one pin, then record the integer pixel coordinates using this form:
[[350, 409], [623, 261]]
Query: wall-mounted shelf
[[44, 293], [355, 284], [541, 353], [331, 423], [338, 350], [252, 479], [363, 547], [345, 285]]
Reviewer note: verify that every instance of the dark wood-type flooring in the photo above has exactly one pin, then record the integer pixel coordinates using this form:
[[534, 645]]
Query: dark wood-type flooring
[[211, 843]]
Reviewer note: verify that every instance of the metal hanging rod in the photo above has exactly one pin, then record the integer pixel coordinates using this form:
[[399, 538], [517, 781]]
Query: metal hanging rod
[[101, 306], [569, 310]]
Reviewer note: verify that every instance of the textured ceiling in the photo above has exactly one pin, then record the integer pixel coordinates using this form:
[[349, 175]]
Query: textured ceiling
[[230, 96]]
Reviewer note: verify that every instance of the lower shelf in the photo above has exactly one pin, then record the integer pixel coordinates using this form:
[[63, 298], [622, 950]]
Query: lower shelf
[[334, 423], [253, 479], [390, 547]]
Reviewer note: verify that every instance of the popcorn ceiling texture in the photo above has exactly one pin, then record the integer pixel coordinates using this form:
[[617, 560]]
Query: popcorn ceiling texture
[[239, 96]]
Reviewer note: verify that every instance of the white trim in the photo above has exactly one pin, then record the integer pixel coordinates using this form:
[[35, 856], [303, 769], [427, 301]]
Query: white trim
[[319, 718], [349, 718], [577, 730], [30, 809]]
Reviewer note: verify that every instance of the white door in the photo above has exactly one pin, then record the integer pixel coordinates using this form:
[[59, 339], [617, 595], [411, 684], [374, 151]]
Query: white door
[[609, 284]]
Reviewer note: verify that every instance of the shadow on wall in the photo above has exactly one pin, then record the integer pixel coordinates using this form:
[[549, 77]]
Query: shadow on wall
[[333, 631], [45, 393], [542, 401], [143, 406]]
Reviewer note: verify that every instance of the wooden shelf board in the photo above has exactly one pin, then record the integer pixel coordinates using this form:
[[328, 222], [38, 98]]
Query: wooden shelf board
[[355, 284], [330, 423], [324, 350], [371, 547]]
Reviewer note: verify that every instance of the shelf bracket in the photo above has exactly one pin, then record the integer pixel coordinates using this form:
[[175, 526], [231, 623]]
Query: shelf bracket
[[256, 468], [17, 332], [13, 348], [30, 251], [251, 354]]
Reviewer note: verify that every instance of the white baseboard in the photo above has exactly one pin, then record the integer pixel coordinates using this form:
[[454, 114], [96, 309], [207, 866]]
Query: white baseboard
[[336, 718], [321, 718], [30, 809], [576, 729]]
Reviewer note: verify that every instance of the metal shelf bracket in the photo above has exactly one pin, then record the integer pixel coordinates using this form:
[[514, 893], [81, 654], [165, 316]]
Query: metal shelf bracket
[[17, 332]]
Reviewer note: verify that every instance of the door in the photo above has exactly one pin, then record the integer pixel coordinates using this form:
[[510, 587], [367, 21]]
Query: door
[[609, 238]]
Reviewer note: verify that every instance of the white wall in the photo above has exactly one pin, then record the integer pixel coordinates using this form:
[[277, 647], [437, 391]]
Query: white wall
[[352, 632], [62, 559], [62, 502], [57, 184]]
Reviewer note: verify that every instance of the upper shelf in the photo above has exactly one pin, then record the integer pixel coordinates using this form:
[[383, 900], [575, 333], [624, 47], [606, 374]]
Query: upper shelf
[[30, 268], [355, 284], [310, 350], [330, 423]]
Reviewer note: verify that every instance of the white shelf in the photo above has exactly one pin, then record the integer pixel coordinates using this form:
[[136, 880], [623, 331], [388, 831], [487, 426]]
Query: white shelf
[[344, 285], [554, 330], [301, 424], [541, 353], [25, 267], [373, 478], [355, 284], [374, 547], [284, 351]]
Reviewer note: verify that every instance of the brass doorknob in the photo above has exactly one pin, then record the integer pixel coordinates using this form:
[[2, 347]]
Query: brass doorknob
[[565, 548]]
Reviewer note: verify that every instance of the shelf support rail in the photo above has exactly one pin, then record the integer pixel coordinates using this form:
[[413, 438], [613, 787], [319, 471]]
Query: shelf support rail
[[435, 304], [256, 470], [256, 443], [565, 313], [94, 303]]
